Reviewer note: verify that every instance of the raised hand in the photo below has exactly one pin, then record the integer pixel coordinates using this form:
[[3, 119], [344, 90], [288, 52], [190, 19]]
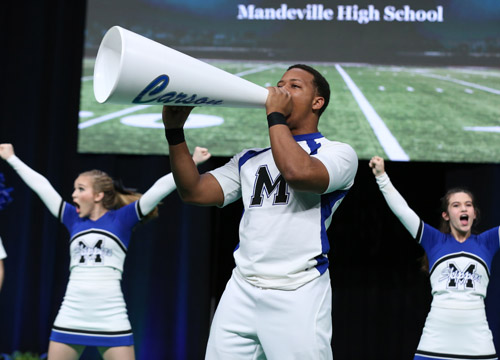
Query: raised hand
[[377, 165], [174, 117], [6, 151], [200, 155]]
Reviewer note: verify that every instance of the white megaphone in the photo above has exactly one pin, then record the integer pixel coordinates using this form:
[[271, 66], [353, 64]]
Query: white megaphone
[[132, 69]]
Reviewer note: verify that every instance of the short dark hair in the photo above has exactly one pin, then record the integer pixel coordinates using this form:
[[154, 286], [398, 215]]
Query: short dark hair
[[322, 86]]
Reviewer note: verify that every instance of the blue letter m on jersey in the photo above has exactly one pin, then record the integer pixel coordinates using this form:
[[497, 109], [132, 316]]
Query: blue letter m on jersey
[[263, 182]]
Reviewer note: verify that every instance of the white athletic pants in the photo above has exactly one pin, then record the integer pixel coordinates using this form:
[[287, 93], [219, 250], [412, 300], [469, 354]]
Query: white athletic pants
[[253, 323]]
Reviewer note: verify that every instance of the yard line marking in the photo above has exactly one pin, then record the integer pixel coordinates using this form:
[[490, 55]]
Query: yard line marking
[[461, 82], [493, 129], [114, 115], [389, 143], [256, 70], [478, 72]]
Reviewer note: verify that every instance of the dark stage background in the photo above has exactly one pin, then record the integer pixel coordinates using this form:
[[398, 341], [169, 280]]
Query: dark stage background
[[178, 265]]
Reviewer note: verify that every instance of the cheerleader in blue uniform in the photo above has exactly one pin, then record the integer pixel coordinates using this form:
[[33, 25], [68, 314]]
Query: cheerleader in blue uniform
[[459, 269], [100, 222]]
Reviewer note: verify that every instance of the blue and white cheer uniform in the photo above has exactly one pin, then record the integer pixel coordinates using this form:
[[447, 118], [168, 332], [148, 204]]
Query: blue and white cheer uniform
[[93, 311], [456, 326]]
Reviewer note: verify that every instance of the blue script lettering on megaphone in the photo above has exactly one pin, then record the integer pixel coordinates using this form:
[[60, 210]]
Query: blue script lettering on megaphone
[[154, 92]]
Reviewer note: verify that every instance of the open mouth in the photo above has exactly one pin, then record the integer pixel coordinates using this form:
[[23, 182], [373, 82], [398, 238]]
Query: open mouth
[[77, 207], [464, 219]]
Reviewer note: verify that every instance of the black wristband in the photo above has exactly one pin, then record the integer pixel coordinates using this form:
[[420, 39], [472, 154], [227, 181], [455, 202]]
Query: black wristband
[[276, 118], [174, 136]]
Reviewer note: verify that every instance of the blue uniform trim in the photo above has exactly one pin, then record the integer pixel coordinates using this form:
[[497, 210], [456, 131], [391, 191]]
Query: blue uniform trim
[[309, 139], [92, 338], [314, 146], [328, 201], [419, 232], [322, 264], [61, 207], [460, 254], [426, 355], [248, 155], [140, 215]]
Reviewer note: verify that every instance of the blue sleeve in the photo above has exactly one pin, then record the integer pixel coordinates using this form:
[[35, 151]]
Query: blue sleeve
[[129, 215], [431, 239], [491, 239], [68, 215]]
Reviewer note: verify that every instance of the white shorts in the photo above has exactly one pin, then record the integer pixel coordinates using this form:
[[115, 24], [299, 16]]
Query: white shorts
[[93, 313], [456, 334], [253, 323]]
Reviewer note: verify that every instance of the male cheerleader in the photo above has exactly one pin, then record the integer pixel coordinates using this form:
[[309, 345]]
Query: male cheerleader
[[277, 304]]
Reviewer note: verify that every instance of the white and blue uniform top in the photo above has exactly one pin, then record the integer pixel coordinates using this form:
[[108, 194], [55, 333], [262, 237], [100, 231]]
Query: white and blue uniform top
[[283, 241], [103, 242], [459, 272]]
